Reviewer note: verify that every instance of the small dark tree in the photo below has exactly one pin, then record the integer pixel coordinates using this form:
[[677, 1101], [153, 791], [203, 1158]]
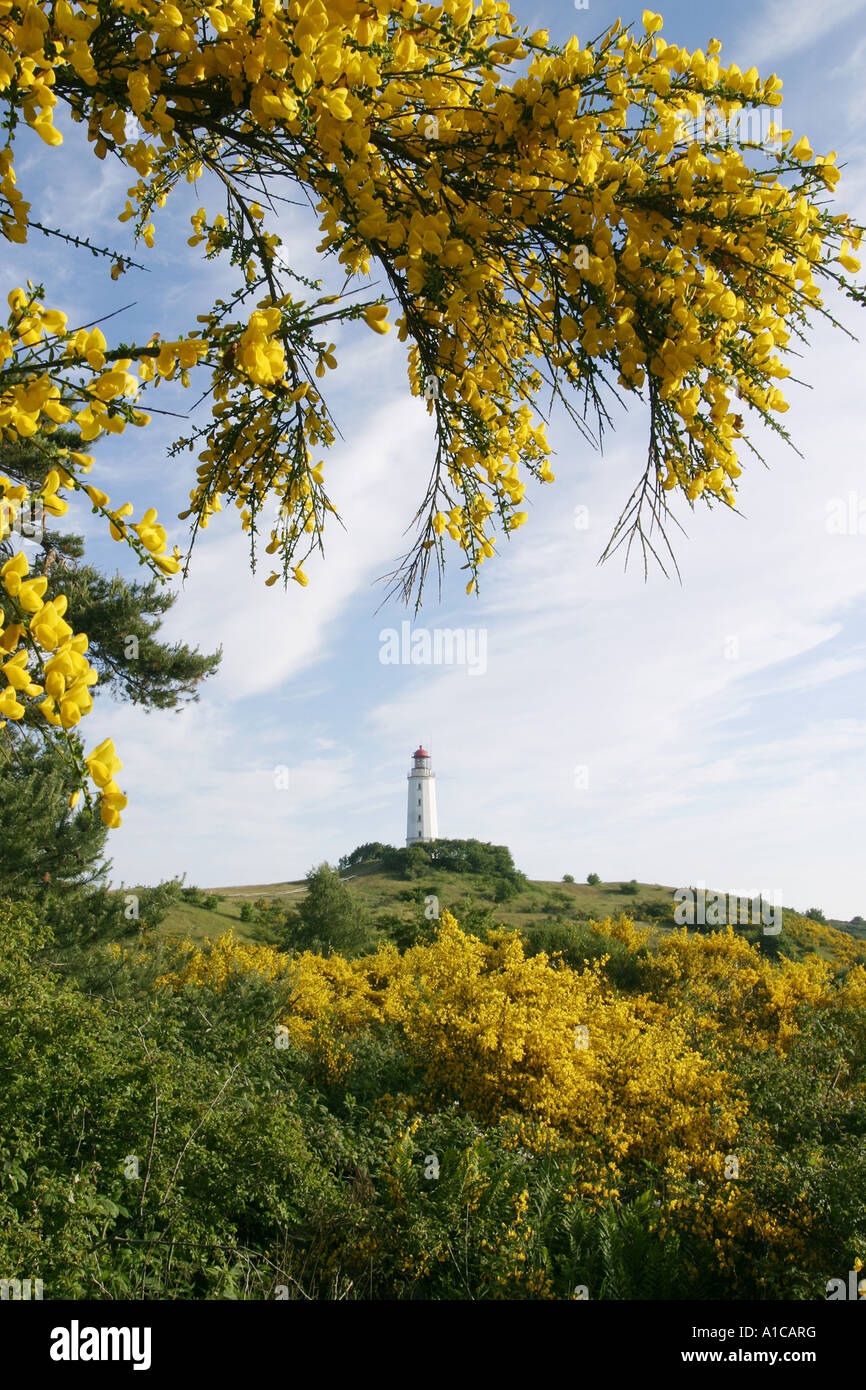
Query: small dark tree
[[593, 880], [330, 918]]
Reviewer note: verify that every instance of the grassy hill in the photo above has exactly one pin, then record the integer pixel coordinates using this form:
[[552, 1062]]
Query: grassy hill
[[381, 891], [538, 903]]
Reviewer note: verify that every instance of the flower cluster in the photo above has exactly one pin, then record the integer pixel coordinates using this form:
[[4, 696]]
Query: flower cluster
[[561, 231], [34, 629]]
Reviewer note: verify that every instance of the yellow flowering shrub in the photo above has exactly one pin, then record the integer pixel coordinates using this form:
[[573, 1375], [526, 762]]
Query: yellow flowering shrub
[[734, 990], [853, 990], [223, 959], [622, 929], [572, 1062], [630, 1089], [821, 939]]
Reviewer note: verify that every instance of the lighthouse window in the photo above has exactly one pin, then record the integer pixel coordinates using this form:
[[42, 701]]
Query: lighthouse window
[[419, 818]]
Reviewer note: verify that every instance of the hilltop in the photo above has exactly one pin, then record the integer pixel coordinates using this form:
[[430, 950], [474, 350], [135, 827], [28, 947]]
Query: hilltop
[[397, 895]]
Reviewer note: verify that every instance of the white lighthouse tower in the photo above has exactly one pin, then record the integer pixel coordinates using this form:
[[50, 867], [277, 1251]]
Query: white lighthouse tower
[[422, 823]]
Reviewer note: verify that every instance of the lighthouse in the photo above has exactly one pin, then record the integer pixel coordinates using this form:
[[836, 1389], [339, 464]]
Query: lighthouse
[[421, 820]]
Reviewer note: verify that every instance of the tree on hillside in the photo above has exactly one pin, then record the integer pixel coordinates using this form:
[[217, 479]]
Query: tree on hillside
[[329, 918], [575, 234]]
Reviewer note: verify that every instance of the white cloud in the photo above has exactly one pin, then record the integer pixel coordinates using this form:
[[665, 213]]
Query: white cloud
[[784, 27]]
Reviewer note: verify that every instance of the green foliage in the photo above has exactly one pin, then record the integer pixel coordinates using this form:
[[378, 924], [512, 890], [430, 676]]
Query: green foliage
[[455, 856], [51, 855], [661, 914], [418, 894], [46, 848], [329, 918], [228, 1143], [577, 945], [199, 898], [476, 917], [811, 1105], [159, 1145], [620, 1255], [568, 878], [816, 915], [364, 854], [631, 888], [593, 880]]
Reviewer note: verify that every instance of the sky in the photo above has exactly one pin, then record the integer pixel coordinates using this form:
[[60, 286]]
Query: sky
[[710, 728]]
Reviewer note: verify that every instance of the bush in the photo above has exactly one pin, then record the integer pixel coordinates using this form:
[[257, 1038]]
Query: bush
[[593, 880], [504, 890], [816, 915], [406, 931], [196, 897], [651, 910], [630, 888], [80, 921], [418, 895], [247, 913], [476, 918], [568, 878], [578, 945]]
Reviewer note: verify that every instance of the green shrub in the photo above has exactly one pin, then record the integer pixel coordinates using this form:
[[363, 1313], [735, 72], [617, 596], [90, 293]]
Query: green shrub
[[576, 944], [504, 890]]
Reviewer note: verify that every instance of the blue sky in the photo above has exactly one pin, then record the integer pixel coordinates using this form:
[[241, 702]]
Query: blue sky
[[711, 730]]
